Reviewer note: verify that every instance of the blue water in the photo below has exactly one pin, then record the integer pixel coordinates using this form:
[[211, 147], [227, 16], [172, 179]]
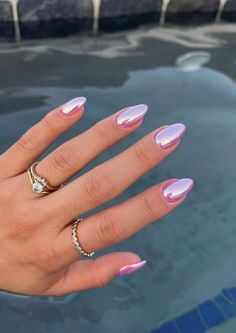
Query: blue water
[[191, 252], [205, 316]]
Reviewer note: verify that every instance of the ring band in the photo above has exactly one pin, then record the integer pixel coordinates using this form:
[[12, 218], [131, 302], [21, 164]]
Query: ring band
[[75, 240], [40, 185]]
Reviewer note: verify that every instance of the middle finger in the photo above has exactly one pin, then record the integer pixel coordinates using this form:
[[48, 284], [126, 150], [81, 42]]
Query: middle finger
[[76, 153], [109, 179]]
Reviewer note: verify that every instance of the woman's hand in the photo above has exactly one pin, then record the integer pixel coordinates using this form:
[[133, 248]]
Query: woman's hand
[[37, 255]]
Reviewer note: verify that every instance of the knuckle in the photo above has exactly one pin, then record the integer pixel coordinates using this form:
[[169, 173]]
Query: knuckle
[[99, 281], [110, 230], [102, 131], [151, 206], [143, 154], [27, 142], [49, 123], [22, 225], [99, 186], [19, 231], [64, 158], [44, 258], [23, 229]]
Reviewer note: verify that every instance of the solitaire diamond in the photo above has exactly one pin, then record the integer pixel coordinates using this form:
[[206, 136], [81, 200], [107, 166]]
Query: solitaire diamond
[[37, 187]]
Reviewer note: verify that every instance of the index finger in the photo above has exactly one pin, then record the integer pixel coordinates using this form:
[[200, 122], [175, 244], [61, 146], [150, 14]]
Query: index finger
[[38, 138]]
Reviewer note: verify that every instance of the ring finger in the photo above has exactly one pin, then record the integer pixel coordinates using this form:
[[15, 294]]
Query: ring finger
[[116, 223]]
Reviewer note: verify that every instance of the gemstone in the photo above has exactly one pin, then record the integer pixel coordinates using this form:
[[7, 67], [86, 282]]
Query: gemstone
[[37, 187]]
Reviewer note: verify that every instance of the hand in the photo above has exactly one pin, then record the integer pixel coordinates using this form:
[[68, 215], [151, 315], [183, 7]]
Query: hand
[[37, 255]]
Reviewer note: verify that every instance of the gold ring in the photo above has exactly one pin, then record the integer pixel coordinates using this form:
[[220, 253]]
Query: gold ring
[[40, 185], [75, 240]]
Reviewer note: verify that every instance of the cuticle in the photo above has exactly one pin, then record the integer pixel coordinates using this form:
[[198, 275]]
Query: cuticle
[[72, 113], [164, 186], [131, 124], [158, 131]]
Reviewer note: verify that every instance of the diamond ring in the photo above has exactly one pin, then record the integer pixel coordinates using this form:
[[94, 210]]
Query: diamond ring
[[40, 185]]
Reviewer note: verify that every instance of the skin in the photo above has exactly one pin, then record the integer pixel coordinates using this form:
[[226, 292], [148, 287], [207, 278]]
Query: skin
[[37, 256]]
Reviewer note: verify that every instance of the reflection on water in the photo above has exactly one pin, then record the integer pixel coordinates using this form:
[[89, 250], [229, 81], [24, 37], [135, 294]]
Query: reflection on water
[[191, 252], [193, 61]]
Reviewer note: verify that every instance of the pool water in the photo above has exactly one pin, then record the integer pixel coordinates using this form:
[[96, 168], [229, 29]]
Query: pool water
[[184, 75]]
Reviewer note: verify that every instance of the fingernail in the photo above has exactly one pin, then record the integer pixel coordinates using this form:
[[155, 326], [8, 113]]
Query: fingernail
[[132, 115], [73, 106], [177, 190], [170, 135], [131, 268]]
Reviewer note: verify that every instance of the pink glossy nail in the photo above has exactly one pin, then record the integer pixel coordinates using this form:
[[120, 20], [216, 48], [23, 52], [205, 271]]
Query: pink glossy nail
[[73, 106], [131, 268], [170, 135], [132, 115], [177, 190]]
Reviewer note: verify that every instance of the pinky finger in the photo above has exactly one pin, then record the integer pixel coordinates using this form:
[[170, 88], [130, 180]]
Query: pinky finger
[[90, 273]]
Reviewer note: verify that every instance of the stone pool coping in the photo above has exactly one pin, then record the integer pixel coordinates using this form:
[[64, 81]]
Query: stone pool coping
[[30, 19]]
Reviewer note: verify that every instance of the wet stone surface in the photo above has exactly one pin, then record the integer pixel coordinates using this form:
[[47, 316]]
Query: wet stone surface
[[123, 14], [192, 11], [52, 18], [6, 21], [229, 12], [58, 18]]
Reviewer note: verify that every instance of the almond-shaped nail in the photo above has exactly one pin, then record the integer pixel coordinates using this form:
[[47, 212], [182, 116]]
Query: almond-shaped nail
[[170, 135], [177, 190], [73, 106], [132, 115], [131, 268]]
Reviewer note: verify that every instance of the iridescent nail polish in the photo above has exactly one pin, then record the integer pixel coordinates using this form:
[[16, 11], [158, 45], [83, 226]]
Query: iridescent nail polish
[[73, 106], [177, 190], [170, 135], [131, 268], [132, 115]]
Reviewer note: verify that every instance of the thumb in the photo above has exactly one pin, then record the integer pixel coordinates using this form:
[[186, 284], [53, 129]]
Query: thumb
[[89, 273]]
